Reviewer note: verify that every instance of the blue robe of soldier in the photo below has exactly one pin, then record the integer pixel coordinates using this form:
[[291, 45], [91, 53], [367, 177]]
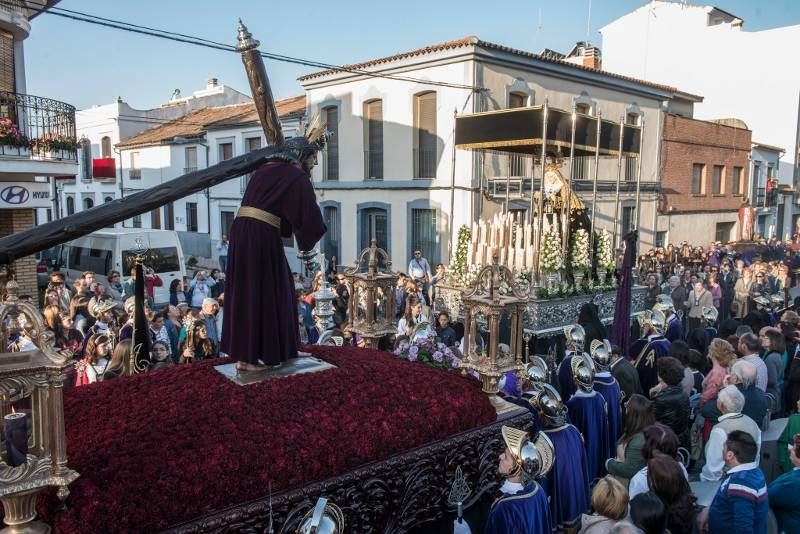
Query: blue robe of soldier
[[645, 361], [607, 386], [567, 483], [566, 384], [674, 330], [711, 333], [522, 512], [589, 413]]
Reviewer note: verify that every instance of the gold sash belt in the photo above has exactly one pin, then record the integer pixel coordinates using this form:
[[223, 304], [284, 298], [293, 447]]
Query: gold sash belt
[[261, 215]]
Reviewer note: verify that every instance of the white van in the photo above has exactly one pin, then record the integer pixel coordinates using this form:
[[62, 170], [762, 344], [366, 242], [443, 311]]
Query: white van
[[111, 249]]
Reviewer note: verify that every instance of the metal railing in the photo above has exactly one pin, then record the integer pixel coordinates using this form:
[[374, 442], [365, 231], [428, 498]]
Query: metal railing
[[135, 174], [187, 170], [19, 7], [424, 163], [761, 197], [37, 127], [373, 164]]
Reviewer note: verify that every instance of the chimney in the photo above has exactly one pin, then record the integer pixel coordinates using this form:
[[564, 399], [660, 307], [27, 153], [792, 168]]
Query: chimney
[[585, 54], [211, 83]]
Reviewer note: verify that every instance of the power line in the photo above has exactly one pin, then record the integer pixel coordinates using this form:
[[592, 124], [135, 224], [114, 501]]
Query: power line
[[207, 43]]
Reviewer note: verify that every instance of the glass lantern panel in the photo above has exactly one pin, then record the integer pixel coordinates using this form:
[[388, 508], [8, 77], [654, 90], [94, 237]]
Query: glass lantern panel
[[482, 339]]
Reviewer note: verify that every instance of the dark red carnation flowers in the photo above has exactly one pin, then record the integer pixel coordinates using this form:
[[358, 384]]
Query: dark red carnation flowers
[[157, 449]]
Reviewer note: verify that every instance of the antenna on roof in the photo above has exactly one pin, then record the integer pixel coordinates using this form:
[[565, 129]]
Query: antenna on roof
[[589, 21]]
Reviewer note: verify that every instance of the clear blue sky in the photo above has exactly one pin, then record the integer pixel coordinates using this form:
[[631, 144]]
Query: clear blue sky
[[85, 64]]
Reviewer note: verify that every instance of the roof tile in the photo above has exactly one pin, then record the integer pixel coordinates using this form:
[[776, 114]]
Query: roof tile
[[196, 123]]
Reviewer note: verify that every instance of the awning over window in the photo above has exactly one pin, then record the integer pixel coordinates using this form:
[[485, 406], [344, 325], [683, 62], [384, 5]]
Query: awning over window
[[104, 168], [520, 130]]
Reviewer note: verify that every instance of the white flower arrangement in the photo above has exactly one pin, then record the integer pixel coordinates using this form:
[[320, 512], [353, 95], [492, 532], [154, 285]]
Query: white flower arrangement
[[458, 267], [605, 254], [552, 257], [580, 250]]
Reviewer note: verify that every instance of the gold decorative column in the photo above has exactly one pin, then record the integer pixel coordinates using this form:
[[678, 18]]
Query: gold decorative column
[[37, 375], [371, 309], [493, 302]]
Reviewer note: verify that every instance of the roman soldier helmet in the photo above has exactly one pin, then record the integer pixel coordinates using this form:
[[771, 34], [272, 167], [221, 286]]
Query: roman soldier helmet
[[664, 304], [324, 518], [548, 404], [130, 305], [532, 458], [761, 300], [536, 370], [576, 336], [710, 314], [102, 306], [583, 371], [654, 319], [601, 354]]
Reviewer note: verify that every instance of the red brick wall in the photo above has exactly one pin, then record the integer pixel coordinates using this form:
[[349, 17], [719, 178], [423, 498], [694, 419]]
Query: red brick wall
[[689, 141], [12, 221]]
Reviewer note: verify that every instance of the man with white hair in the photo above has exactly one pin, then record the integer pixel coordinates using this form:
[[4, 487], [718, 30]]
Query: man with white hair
[[743, 376], [208, 312], [750, 348], [730, 402]]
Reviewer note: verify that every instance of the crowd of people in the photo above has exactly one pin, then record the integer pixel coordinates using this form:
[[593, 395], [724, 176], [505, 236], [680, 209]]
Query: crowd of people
[[94, 321]]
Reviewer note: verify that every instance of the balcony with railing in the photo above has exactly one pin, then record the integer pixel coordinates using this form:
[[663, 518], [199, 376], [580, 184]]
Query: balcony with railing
[[37, 128], [373, 164], [135, 174]]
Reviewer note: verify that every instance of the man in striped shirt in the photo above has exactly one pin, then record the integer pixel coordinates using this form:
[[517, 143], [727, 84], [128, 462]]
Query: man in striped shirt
[[741, 504]]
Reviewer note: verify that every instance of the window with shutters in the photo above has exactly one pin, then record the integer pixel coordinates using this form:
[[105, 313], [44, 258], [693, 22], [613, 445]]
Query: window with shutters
[[86, 159], [155, 219], [8, 80], [191, 216], [169, 216], [250, 144], [70, 205], [137, 221], [517, 100], [698, 179], [736, 181], [190, 157], [425, 135], [330, 163], [225, 150], [374, 224], [424, 234], [88, 203], [105, 147], [135, 172], [628, 219], [373, 141], [330, 241], [718, 181]]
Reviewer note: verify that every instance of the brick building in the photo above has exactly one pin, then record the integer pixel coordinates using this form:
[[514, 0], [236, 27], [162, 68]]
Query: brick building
[[704, 179]]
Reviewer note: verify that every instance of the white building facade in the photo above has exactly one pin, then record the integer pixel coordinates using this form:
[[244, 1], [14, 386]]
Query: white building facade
[[389, 173], [706, 50], [195, 141], [101, 128]]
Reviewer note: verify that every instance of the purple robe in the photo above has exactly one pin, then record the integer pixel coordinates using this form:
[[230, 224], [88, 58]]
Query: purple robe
[[567, 483], [674, 330], [645, 362], [589, 414], [566, 382], [525, 512], [260, 320], [607, 386]]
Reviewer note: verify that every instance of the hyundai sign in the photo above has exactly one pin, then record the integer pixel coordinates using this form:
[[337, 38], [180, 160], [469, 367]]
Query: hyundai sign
[[25, 195]]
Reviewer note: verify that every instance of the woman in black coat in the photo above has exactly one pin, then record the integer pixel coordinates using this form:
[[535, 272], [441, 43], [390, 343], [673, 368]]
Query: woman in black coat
[[589, 320], [670, 402]]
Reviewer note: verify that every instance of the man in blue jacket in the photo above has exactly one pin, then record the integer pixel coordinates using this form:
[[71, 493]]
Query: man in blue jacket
[[741, 504], [784, 492]]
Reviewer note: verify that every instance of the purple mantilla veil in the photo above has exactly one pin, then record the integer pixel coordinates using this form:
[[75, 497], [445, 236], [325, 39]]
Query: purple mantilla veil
[[621, 328]]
